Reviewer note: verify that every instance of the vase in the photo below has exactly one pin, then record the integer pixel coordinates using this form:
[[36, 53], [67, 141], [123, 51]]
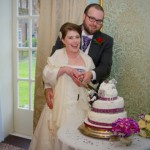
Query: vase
[[126, 140]]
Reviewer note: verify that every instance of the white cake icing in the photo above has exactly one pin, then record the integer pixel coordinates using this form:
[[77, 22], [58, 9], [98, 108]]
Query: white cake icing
[[118, 103], [107, 108], [104, 120]]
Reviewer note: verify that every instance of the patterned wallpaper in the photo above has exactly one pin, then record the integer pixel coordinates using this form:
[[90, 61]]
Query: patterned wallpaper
[[128, 21]]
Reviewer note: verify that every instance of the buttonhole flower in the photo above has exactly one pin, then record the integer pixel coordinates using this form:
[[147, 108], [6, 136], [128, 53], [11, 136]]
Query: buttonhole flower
[[99, 40]]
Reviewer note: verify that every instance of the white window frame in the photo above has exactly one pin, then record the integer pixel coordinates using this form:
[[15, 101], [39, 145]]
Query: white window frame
[[16, 50]]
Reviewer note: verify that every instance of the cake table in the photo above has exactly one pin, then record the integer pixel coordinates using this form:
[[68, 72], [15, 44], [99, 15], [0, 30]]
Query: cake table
[[70, 138]]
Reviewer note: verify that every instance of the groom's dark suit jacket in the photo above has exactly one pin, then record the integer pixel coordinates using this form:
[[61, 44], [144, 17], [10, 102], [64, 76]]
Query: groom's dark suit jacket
[[101, 54]]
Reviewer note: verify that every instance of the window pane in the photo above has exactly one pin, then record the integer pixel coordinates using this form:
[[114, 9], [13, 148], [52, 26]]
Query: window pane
[[27, 23], [33, 64], [33, 86], [34, 32], [23, 8], [23, 64], [35, 7], [23, 33], [23, 88]]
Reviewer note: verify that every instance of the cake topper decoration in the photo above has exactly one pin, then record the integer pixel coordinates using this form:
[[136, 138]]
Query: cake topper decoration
[[108, 89]]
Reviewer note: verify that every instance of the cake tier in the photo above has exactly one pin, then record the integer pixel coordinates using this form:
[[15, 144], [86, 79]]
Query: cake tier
[[111, 106], [103, 120]]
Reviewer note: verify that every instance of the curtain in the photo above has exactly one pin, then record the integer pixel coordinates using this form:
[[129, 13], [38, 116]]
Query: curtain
[[53, 13]]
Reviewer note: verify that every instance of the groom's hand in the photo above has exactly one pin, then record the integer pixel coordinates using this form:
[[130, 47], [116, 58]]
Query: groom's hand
[[49, 95]]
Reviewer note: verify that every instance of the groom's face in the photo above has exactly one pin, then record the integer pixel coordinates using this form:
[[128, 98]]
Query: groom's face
[[93, 20]]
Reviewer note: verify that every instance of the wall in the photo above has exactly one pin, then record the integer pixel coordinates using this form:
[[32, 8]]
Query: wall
[[92, 1], [1, 124], [6, 96], [128, 22]]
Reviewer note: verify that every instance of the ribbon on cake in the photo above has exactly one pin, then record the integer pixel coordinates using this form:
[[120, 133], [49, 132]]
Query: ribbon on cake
[[99, 123], [99, 128], [107, 99], [115, 110]]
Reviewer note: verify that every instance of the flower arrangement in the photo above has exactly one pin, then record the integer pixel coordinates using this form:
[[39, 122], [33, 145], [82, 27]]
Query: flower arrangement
[[99, 40], [144, 124], [125, 127]]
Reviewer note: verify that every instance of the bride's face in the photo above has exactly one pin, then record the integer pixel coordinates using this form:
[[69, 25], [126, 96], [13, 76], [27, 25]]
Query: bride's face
[[72, 41]]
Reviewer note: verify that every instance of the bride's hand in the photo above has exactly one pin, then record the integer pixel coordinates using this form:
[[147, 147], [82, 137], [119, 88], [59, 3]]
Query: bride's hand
[[72, 72], [86, 77]]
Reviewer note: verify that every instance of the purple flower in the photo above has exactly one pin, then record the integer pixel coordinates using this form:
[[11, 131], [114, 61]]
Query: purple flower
[[141, 116], [125, 127]]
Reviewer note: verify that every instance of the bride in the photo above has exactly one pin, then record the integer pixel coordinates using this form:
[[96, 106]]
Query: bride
[[63, 72]]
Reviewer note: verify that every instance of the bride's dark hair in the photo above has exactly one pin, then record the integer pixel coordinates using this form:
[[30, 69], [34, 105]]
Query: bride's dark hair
[[69, 27]]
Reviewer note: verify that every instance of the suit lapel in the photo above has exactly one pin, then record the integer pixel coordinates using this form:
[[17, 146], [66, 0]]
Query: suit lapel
[[95, 48]]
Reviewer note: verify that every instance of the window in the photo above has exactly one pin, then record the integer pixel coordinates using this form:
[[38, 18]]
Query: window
[[26, 42]]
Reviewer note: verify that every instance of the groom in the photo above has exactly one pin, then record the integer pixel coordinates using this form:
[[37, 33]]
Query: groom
[[95, 43]]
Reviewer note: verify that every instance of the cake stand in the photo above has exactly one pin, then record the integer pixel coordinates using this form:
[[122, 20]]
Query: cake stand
[[96, 133]]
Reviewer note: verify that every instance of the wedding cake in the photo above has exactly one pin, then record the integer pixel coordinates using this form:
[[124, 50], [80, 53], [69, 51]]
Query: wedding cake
[[106, 108]]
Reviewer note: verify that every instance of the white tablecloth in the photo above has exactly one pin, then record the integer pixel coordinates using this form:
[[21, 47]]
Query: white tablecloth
[[70, 138]]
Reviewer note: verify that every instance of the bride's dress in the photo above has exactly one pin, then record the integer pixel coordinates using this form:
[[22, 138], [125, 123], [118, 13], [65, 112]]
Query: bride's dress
[[73, 112], [70, 102]]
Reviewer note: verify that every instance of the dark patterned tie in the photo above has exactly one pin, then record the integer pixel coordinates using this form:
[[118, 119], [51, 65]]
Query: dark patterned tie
[[86, 42]]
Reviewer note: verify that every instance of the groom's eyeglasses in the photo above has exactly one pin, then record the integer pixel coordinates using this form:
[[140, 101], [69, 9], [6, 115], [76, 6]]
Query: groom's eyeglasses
[[92, 19]]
